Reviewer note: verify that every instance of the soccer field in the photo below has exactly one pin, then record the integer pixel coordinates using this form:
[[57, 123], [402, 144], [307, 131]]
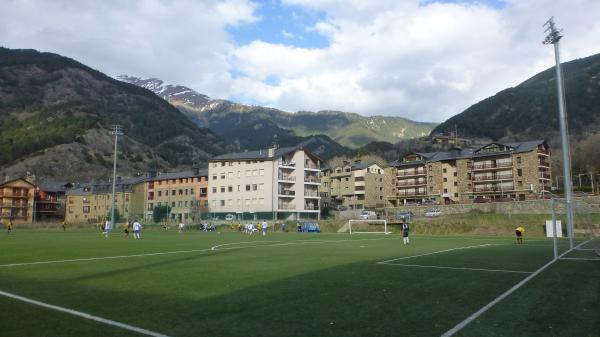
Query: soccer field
[[291, 284]]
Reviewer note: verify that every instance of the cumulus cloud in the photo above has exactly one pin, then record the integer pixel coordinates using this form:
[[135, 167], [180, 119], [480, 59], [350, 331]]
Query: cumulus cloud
[[183, 41], [421, 60]]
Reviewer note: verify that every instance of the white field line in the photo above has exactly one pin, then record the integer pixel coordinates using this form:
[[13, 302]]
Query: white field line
[[486, 307], [83, 315], [581, 258], [459, 268], [214, 248], [431, 253]]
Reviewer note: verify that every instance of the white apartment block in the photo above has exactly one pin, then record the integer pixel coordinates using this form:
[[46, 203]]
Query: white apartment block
[[276, 183]]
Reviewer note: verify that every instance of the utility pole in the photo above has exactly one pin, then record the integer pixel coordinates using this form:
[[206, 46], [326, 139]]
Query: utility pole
[[116, 131], [553, 37]]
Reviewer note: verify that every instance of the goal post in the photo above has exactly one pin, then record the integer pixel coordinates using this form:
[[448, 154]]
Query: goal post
[[368, 227]]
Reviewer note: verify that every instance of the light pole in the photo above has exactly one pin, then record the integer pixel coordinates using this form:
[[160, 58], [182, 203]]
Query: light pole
[[554, 37], [116, 131]]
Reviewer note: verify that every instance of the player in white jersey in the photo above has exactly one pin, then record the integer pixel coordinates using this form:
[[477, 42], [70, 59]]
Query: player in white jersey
[[137, 228]]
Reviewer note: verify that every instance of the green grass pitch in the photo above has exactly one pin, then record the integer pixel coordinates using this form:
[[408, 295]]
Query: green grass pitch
[[291, 284]]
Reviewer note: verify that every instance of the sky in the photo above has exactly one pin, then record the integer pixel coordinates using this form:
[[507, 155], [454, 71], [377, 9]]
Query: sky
[[425, 60]]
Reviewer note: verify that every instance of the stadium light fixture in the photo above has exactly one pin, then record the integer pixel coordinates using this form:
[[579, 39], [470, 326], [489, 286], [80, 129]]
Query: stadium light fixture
[[553, 37]]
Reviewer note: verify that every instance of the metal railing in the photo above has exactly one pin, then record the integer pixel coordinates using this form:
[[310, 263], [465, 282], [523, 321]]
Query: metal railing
[[288, 178], [410, 173], [411, 183], [490, 165], [493, 177]]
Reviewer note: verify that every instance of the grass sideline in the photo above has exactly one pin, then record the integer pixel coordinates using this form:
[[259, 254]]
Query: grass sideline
[[289, 284]]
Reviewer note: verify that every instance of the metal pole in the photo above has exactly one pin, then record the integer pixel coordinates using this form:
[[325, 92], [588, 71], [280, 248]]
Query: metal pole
[[116, 131], [592, 181], [554, 38], [554, 234]]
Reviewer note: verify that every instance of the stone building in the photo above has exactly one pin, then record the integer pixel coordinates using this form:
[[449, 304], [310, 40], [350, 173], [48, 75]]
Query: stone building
[[496, 171], [355, 186], [16, 200]]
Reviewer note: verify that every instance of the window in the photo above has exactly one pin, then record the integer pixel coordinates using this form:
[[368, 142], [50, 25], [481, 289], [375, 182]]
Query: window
[[445, 190], [214, 190], [222, 202], [173, 192], [86, 209], [444, 170], [455, 183], [262, 172], [247, 187], [167, 193], [173, 204], [520, 183], [222, 189], [214, 177], [519, 160], [186, 203], [230, 189], [191, 191], [455, 174], [181, 192], [254, 187], [180, 204], [159, 193], [445, 180], [261, 187], [186, 191], [469, 176], [456, 194], [520, 172]]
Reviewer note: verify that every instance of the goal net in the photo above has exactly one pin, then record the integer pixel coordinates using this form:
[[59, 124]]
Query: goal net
[[368, 227], [583, 236]]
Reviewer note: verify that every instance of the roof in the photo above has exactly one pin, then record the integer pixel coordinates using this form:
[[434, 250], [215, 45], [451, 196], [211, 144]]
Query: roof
[[179, 175], [54, 186], [263, 154], [458, 153], [102, 187], [256, 155], [15, 179]]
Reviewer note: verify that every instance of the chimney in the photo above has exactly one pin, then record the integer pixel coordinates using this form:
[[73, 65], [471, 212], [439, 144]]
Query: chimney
[[271, 153]]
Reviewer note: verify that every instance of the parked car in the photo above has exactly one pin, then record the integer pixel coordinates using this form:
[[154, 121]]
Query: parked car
[[430, 202], [368, 215], [404, 215], [433, 212], [341, 208], [309, 227], [482, 200]]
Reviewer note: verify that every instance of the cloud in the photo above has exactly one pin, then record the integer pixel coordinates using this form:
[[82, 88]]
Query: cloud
[[420, 60], [183, 41]]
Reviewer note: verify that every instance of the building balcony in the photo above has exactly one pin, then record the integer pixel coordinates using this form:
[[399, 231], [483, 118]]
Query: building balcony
[[14, 195], [410, 193], [286, 207], [545, 176], [494, 189], [311, 180], [491, 166], [411, 173], [312, 167], [286, 165], [310, 207], [493, 177], [286, 178], [411, 183], [359, 183], [287, 194], [543, 163]]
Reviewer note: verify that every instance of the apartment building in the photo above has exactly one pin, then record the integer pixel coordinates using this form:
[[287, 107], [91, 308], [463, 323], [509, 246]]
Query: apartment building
[[496, 171], [16, 200], [276, 183], [50, 199], [355, 186], [185, 193], [92, 203]]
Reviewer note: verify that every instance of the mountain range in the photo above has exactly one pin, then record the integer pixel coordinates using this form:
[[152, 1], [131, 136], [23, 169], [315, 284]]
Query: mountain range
[[236, 122], [56, 113], [530, 110]]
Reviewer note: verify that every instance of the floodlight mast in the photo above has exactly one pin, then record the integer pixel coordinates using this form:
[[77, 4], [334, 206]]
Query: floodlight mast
[[116, 131], [553, 37]]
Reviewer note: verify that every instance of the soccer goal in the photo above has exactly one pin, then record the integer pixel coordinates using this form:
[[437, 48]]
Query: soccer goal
[[368, 227]]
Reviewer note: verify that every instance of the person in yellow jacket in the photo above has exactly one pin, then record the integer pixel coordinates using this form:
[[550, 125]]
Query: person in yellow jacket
[[9, 226], [519, 233]]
